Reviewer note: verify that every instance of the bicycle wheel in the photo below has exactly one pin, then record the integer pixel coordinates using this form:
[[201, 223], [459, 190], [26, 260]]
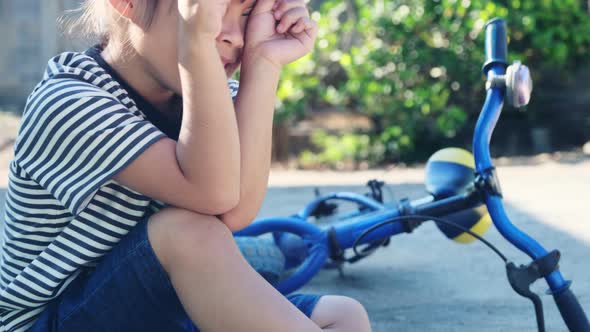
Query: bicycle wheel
[[263, 255]]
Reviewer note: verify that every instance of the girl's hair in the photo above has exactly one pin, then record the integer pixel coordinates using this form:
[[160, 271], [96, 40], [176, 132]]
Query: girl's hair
[[97, 21]]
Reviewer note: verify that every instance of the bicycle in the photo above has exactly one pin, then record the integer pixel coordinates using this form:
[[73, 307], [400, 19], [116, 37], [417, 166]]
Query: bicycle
[[462, 187]]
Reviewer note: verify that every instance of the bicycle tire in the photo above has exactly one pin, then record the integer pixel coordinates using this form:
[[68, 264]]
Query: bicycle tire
[[264, 256]]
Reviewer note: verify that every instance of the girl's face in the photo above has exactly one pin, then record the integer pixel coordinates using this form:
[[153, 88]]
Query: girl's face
[[158, 45]]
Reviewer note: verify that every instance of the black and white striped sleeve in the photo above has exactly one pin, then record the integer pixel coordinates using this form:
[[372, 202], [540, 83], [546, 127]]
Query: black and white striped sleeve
[[74, 137], [234, 86]]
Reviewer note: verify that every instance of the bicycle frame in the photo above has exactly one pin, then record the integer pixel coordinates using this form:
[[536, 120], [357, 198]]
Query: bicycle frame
[[322, 243]]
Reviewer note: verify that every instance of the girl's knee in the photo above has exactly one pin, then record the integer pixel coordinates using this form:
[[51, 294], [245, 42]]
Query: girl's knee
[[341, 313], [177, 235]]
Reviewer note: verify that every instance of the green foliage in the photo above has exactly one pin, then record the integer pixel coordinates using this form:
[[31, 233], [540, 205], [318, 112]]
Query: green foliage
[[414, 66], [347, 149]]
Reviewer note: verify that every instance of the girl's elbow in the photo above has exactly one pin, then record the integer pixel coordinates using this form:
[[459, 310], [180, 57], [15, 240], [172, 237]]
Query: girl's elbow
[[236, 220], [225, 201]]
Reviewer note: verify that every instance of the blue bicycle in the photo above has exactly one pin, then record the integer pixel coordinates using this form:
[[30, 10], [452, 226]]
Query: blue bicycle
[[462, 186]]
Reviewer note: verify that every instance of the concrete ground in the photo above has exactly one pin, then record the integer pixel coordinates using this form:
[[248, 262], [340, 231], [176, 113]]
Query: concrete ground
[[424, 282]]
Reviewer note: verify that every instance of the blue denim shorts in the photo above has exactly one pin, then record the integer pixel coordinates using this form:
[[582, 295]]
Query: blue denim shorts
[[127, 291]]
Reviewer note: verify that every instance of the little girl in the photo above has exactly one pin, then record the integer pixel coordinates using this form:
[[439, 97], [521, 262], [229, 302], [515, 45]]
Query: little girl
[[134, 162]]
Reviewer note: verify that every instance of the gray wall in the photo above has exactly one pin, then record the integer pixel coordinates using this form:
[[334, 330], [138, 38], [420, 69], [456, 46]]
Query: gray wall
[[29, 36]]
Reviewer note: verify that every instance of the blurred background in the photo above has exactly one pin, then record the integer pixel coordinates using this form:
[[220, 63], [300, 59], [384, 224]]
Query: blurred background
[[390, 81]]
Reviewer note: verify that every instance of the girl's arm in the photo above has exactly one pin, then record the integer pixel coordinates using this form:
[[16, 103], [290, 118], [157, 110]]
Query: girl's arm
[[268, 47], [254, 110], [201, 171], [208, 148]]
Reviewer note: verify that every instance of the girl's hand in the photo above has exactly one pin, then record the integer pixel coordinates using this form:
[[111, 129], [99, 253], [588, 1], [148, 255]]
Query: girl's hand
[[200, 19], [292, 38]]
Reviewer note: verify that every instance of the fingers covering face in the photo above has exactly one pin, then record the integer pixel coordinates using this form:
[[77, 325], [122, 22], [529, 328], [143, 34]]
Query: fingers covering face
[[291, 17], [282, 6]]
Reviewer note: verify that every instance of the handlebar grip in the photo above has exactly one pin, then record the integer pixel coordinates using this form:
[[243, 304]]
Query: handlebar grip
[[571, 311], [496, 44]]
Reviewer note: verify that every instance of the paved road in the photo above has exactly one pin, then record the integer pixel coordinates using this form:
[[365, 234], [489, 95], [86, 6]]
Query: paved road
[[423, 281]]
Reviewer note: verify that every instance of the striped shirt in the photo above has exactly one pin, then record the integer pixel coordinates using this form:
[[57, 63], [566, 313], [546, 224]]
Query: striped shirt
[[81, 125]]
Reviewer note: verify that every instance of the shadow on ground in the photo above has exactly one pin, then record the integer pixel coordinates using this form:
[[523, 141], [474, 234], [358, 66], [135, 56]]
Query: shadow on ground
[[424, 282]]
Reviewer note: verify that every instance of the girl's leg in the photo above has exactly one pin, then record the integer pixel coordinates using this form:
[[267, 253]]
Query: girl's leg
[[216, 286], [129, 290], [340, 314]]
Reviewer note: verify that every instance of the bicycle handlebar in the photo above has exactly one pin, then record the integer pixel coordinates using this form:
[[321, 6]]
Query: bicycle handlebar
[[496, 44], [496, 63], [571, 311]]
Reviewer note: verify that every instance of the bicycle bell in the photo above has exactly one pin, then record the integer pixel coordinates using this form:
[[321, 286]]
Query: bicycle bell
[[518, 84]]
